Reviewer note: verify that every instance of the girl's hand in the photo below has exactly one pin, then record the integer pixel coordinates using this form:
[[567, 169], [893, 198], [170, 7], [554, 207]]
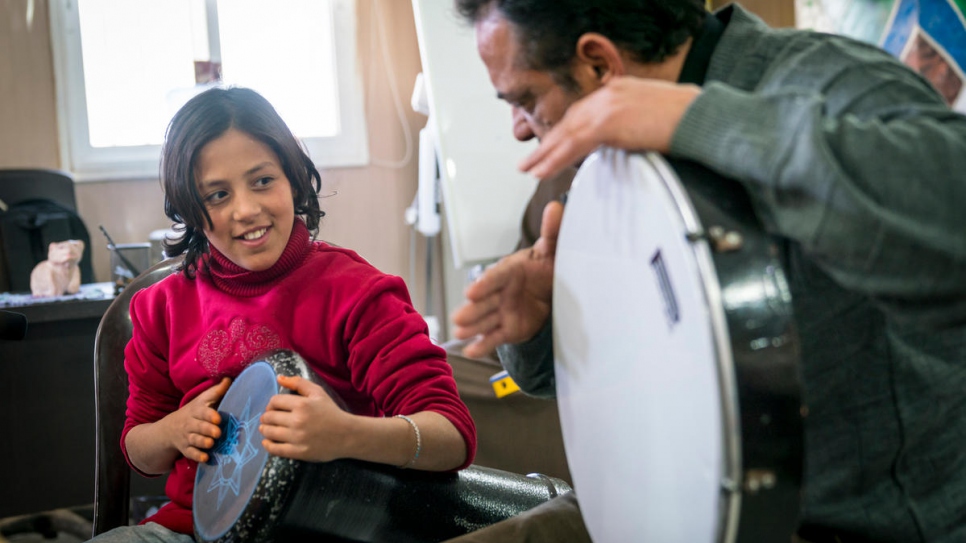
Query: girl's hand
[[305, 426], [194, 428]]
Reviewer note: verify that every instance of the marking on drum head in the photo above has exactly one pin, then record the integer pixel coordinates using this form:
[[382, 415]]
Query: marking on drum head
[[229, 456], [671, 308]]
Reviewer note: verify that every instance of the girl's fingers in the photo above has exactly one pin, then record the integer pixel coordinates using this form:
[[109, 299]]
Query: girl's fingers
[[200, 441], [195, 454]]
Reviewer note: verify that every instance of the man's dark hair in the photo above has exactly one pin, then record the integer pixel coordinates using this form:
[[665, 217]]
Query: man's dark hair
[[203, 119], [548, 30]]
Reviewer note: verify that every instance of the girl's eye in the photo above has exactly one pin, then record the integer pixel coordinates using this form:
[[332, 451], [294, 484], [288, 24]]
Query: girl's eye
[[261, 182], [216, 197]]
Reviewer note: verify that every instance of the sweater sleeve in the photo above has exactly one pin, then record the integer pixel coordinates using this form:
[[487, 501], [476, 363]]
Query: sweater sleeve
[[865, 172], [151, 393], [530, 363], [393, 361]]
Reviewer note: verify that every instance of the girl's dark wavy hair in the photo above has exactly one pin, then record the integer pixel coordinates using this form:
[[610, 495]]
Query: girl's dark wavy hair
[[548, 30], [203, 119]]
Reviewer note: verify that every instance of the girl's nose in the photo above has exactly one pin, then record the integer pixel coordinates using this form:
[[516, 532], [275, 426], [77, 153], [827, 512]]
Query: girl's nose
[[246, 207]]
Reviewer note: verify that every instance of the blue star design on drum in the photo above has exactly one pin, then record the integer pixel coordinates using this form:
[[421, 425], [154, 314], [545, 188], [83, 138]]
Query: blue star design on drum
[[233, 451]]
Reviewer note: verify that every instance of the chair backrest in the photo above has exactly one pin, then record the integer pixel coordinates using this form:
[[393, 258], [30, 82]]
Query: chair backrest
[[39, 207], [20, 185], [112, 479]]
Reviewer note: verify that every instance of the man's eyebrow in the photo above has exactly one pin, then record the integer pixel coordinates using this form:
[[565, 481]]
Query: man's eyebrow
[[514, 97]]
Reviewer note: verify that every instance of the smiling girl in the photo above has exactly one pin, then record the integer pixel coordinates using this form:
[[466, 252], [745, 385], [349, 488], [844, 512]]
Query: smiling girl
[[253, 280]]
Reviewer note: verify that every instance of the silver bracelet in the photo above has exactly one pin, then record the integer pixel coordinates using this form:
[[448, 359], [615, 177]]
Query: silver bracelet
[[419, 442]]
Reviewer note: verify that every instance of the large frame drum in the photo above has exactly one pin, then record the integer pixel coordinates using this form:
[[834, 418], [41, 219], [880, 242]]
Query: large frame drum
[[244, 494], [676, 357]]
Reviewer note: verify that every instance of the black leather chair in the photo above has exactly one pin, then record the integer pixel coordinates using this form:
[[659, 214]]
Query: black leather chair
[[477, 497], [19, 185]]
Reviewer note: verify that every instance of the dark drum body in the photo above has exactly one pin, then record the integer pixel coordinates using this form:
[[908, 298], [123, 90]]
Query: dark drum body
[[676, 357], [244, 494]]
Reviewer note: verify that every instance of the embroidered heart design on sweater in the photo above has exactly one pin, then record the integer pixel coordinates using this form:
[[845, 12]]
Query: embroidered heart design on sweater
[[224, 350]]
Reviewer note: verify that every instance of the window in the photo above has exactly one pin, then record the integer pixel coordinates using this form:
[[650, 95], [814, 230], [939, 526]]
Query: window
[[124, 67]]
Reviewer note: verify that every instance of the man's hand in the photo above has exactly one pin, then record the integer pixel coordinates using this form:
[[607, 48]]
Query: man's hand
[[627, 113], [511, 301]]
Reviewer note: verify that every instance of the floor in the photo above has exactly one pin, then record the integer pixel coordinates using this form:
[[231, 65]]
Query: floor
[[58, 526]]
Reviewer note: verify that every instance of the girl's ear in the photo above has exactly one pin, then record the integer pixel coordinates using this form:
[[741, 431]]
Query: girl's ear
[[598, 58]]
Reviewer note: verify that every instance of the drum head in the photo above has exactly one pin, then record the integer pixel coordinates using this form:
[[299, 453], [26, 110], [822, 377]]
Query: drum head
[[240, 493], [638, 340]]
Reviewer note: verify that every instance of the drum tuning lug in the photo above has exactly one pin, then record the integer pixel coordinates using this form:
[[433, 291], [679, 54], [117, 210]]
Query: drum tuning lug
[[729, 485], [695, 236], [725, 240], [759, 479]]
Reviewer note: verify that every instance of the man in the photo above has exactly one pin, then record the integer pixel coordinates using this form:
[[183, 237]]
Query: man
[[554, 188], [851, 160]]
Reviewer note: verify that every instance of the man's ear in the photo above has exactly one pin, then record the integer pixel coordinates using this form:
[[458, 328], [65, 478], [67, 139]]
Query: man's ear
[[598, 58]]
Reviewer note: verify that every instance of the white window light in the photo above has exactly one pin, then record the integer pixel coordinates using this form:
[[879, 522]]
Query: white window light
[[124, 67]]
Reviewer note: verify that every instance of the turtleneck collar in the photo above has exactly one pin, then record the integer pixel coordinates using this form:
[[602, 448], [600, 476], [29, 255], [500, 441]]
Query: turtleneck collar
[[233, 279]]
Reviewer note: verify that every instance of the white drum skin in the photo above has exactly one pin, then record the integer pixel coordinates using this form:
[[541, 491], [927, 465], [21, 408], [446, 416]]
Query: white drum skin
[[645, 373]]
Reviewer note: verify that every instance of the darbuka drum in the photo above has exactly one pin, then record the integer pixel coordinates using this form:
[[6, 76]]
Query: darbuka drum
[[676, 357], [246, 495]]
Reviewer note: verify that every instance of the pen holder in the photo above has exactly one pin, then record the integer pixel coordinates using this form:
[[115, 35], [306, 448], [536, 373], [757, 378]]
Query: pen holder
[[138, 256]]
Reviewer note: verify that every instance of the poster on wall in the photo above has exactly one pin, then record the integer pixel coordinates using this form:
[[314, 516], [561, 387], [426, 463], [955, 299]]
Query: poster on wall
[[927, 35], [930, 37]]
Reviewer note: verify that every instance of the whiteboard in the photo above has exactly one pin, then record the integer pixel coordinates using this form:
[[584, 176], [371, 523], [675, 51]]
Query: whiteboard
[[483, 192]]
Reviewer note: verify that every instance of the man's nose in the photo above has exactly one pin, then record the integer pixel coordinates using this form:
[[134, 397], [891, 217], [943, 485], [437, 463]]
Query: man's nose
[[521, 125]]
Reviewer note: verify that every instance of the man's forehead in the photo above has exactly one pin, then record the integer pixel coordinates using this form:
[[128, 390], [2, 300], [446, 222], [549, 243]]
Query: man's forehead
[[497, 37], [500, 51]]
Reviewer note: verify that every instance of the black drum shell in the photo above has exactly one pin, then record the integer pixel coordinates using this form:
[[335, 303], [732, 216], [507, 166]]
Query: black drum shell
[[350, 500], [765, 351]]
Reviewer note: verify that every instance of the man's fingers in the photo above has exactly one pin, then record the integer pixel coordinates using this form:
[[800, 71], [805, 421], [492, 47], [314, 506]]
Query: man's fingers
[[480, 326], [493, 280], [562, 154], [469, 314], [485, 345], [550, 221]]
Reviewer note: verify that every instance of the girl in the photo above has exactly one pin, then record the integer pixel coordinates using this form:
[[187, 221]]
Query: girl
[[252, 280]]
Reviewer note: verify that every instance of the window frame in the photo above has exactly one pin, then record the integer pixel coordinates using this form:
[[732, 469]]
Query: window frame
[[87, 163]]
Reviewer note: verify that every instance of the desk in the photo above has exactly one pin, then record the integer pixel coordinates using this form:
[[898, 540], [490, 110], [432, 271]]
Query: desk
[[47, 405]]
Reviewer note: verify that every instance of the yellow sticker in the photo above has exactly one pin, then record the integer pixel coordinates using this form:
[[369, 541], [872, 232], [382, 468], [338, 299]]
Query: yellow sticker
[[503, 384]]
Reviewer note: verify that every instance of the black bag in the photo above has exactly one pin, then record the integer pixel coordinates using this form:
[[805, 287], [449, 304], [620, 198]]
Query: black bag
[[27, 228]]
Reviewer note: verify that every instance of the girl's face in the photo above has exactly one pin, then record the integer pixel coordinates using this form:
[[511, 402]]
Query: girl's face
[[248, 197]]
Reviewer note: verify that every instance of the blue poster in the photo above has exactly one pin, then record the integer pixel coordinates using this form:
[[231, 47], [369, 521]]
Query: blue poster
[[930, 37]]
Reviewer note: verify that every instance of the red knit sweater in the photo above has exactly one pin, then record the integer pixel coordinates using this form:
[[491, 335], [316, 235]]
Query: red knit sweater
[[354, 325]]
